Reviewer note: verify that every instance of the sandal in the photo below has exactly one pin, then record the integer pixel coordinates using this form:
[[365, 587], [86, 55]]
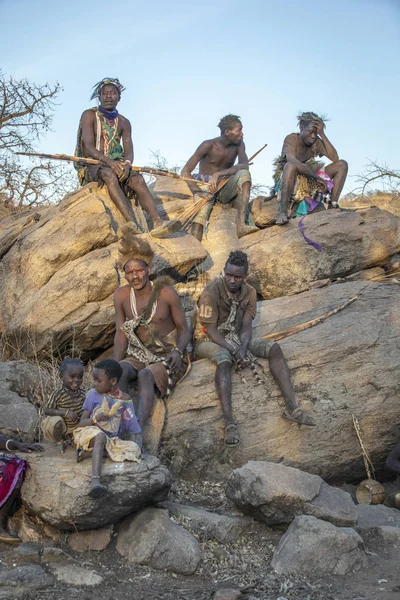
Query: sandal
[[231, 426], [299, 417]]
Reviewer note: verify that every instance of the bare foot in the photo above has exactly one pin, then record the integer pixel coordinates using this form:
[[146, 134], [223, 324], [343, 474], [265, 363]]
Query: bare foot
[[282, 218], [243, 230], [232, 437]]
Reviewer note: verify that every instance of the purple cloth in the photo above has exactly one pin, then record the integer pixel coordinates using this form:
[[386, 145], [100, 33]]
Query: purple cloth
[[129, 421], [307, 239], [203, 178]]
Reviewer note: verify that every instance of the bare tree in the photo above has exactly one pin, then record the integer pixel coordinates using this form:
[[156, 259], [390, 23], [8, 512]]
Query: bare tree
[[374, 174], [26, 112]]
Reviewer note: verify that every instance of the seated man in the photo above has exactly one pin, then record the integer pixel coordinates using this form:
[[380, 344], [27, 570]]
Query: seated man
[[100, 132], [216, 158], [227, 307], [151, 329], [300, 148]]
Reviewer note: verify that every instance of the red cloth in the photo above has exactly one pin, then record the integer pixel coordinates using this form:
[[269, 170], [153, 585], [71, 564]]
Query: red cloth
[[12, 472]]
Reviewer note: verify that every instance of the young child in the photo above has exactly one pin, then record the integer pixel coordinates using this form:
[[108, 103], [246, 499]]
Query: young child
[[65, 405], [107, 413]]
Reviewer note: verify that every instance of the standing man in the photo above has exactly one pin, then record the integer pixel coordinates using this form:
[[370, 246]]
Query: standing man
[[298, 149], [227, 307], [101, 130], [217, 158], [151, 329]]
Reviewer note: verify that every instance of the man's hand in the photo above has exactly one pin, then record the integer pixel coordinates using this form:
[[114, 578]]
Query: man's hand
[[72, 415], [240, 357], [320, 126], [119, 169], [174, 360], [321, 181], [127, 171], [28, 447], [213, 183]]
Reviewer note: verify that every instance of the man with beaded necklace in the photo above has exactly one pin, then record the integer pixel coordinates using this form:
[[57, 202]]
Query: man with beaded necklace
[[101, 130]]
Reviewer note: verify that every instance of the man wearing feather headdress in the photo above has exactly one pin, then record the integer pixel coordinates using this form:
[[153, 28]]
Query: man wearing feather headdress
[[297, 160], [151, 329], [101, 130]]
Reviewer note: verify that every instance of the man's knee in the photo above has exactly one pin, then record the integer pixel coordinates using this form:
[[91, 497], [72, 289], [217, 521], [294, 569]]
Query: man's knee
[[275, 352], [108, 175], [217, 354], [342, 165], [128, 372], [137, 182], [243, 176], [145, 377], [289, 170]]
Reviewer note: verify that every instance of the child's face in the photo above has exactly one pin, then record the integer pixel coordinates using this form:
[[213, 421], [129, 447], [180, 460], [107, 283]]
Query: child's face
[[103, 383], [73, 378]]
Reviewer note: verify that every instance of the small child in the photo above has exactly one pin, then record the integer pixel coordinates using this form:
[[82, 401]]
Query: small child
[[65, 405], [107, 413]]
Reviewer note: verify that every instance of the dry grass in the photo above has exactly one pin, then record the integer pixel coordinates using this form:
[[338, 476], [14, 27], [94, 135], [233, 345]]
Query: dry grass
[[47, 364]]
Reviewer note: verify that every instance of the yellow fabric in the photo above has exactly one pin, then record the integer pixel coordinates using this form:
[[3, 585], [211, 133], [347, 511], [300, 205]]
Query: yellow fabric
[[118, 450], [48, 426]]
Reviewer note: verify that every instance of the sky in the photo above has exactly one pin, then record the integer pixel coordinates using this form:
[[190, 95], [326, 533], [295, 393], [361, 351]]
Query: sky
[[185, 65]]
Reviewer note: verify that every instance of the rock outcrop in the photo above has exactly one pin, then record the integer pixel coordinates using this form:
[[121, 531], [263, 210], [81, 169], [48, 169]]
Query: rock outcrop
[[275, 494], [314, 547], [56, 489], [59, 274], [19, 381], [151, 538], [346, 365], [281, 262]]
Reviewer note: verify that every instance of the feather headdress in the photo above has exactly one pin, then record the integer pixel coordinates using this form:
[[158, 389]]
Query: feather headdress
[[106, 81], [133, 246]]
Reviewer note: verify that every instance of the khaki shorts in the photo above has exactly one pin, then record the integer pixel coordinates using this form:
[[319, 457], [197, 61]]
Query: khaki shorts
[[226, 195], [218, 354]]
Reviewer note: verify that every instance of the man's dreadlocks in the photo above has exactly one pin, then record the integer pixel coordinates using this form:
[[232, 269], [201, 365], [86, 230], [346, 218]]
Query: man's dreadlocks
[[238, 259], [228, 122], [306, 117]]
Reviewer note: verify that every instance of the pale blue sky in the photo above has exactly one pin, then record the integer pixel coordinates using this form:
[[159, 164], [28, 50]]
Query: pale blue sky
[[184, 65]]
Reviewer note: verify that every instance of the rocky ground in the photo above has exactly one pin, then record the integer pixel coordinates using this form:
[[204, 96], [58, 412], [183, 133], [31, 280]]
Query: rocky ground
[[240, 569]]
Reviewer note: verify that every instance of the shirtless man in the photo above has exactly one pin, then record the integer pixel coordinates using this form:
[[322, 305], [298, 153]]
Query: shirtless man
[[297, 149], [217, 158], [100, 131], [151, 331], [227, 307]]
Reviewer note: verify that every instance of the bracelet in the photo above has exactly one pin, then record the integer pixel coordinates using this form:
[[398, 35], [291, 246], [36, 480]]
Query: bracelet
[[7, 442], [181, 354], [94, 419], [128, 162]]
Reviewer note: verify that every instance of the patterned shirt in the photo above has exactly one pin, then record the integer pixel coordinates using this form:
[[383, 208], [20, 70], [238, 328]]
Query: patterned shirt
[[64, 399]]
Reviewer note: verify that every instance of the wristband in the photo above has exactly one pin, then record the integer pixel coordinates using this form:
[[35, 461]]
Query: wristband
[[7, 442], [181, 354]]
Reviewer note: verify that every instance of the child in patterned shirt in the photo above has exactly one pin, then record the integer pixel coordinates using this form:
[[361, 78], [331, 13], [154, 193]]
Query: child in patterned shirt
[[64, 408]]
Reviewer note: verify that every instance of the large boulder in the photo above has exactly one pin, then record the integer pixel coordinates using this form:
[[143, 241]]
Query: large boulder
[[19, 381], [281, 262], [276, 494], [348, 364], [151, 538], [318, 548], [56, 489], [59, 274]]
